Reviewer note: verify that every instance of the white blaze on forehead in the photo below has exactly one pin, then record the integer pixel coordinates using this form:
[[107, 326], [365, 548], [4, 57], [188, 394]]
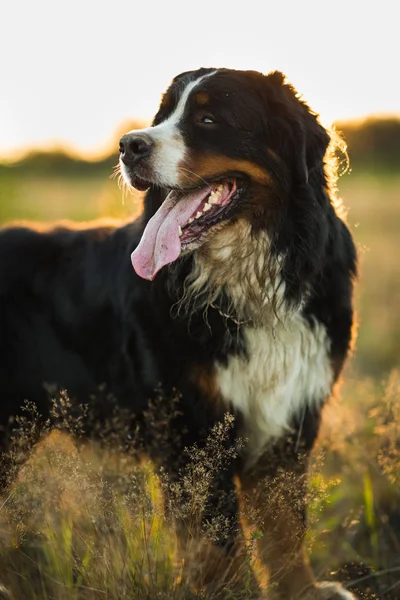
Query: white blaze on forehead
[[179, 111], [170, 147]]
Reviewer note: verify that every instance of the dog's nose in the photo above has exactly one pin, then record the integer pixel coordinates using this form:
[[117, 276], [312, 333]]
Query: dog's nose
[[134, 146]]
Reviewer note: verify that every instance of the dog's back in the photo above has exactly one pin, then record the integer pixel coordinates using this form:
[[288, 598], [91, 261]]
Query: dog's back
[[63, 295]]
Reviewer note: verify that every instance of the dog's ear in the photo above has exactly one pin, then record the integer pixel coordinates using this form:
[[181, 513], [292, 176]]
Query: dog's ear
[[316, 142], [310, 139], [297, 137]]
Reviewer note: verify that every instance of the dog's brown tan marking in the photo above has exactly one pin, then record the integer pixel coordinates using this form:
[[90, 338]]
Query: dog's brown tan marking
[[202, 98], [214, 165], [206, 380], [275, 507]]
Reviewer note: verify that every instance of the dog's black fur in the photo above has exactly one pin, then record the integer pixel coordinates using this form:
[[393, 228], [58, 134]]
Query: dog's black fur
[[74, 313]]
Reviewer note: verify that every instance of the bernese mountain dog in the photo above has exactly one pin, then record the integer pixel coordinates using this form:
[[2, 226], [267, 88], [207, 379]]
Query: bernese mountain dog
[[239, 301]]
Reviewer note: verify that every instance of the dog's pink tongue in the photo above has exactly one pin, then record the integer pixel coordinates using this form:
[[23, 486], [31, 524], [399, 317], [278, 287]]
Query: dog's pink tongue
[[160, 244]]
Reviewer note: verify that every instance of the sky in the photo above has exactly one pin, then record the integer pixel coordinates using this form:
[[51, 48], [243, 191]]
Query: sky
[[72, 72]]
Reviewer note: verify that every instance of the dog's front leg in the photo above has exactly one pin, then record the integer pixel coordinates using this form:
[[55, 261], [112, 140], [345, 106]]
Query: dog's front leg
[[274, 503]]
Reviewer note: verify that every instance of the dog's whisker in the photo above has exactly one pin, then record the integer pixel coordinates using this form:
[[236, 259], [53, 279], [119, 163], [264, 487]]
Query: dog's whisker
[[181, 168]]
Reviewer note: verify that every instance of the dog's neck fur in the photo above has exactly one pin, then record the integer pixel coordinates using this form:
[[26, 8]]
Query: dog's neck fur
[[238, 265]]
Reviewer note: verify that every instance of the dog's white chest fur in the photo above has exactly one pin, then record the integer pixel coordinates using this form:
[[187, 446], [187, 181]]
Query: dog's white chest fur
[[285, 369]]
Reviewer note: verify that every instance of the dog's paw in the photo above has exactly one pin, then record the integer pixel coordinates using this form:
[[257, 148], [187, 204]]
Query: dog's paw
[[324, 590], [330, 590]]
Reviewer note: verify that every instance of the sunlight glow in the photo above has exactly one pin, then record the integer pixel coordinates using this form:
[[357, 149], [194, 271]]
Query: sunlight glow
[[75, 71]]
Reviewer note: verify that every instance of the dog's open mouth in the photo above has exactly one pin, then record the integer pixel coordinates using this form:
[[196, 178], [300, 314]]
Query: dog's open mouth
[[183, 219]]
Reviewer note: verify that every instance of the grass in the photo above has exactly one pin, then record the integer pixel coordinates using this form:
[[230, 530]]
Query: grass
[[54, 197], [84, 522], [72, 529], [361, 511], [373, 201]]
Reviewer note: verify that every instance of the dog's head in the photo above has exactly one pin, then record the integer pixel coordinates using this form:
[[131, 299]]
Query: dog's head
[[227, 147]]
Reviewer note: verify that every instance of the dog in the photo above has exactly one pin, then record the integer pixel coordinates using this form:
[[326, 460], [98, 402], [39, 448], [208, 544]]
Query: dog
[[239, 299]]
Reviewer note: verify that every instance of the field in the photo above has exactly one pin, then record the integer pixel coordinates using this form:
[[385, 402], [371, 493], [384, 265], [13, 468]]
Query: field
[[81, 523]]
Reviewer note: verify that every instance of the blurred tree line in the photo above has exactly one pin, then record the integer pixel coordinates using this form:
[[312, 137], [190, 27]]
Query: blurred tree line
[[58, 162], [372, 144]]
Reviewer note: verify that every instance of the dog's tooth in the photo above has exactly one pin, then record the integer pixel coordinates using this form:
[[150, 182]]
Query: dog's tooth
[[213, 201], [207, 206], [179, 230], [198, 215], [191, 220]]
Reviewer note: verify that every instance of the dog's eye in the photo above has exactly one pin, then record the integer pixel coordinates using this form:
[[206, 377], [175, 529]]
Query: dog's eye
[[205, 119]]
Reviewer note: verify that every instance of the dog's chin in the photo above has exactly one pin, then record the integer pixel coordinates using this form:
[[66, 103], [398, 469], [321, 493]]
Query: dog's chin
[[135, 178], [142, 185]]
